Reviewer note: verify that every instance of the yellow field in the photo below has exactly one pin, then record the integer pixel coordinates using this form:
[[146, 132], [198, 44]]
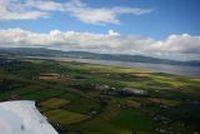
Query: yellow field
[[65, 117], [54, 103], [163, 101]]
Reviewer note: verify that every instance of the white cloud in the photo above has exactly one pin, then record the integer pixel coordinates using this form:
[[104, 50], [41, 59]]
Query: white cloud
[[11, 10], [183, 46], [34, 9], [112, 33], [101, 15], [47, 5]]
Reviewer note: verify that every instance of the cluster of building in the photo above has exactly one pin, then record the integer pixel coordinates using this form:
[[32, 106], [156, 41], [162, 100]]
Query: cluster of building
[[122, 92]]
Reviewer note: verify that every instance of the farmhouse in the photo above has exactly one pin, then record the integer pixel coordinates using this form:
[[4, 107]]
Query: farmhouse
[[102, 87], [133, 91]]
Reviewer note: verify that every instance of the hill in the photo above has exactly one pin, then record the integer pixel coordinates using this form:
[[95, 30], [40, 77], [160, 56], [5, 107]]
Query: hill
[[88, 55]]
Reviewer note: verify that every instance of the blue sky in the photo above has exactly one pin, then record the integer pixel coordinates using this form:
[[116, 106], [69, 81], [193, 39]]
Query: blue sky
[[161, 28], [168, 17]]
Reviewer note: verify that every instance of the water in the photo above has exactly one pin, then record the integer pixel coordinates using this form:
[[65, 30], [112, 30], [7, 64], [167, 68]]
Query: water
[[171, 69]]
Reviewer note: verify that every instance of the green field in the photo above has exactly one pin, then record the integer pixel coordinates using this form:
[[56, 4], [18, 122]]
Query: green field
[[83, 98], [65, 117]]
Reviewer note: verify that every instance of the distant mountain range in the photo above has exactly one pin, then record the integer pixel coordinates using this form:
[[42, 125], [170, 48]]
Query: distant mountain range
[[87, 55]]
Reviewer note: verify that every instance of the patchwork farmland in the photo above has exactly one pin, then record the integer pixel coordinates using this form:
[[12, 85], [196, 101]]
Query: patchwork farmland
[[80, 98]]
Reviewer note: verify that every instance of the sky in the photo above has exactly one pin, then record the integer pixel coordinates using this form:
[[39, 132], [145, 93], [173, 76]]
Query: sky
[[159, 28]]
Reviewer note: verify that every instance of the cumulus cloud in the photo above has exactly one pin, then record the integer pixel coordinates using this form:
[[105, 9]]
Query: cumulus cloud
[[34, 9], [184, 45]]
